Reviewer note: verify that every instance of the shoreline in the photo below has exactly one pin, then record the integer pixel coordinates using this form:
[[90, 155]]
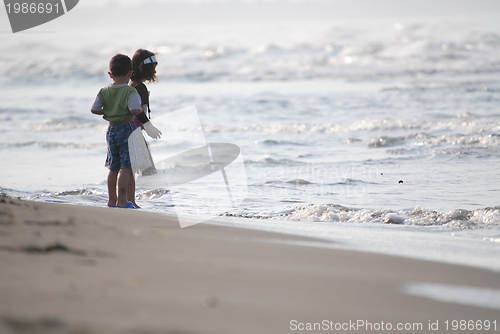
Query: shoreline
[[473, 248], [78, 269]]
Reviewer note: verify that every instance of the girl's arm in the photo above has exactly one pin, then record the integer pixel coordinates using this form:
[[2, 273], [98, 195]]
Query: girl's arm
[[134, 104], [152, 131], [143, 93], [141, 116]]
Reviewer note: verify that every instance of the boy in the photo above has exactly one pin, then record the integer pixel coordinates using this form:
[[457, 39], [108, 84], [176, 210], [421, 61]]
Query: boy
[[119, 103]]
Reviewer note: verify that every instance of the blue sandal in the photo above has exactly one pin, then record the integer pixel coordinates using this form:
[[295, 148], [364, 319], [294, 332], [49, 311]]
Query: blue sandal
[[128, 206]]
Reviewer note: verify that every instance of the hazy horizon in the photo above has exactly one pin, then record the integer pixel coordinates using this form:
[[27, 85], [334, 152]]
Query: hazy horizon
[[100, 14]]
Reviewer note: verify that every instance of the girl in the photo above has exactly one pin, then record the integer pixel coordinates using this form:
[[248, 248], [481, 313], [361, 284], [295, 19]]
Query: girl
[[144, 69]]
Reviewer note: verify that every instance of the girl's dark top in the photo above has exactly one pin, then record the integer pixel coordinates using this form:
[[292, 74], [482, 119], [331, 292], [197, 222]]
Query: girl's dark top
[[144, 94]]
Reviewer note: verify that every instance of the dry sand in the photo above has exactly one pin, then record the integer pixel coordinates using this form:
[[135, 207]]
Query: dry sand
[[76, 269]]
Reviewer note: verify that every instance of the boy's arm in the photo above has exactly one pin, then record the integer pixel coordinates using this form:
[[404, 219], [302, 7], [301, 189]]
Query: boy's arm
[[134, 104], [97, 106]]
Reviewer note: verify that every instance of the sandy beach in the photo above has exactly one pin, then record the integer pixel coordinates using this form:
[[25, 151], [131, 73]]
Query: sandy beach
[[78, 269]]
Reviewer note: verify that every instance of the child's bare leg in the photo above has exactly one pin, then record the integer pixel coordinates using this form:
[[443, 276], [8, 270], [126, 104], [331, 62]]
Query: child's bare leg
[[112, 177], [123, 181], [131, 191]]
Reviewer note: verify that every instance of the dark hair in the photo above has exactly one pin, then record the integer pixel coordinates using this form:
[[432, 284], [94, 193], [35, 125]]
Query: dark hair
[[148, 70], [120, 65]]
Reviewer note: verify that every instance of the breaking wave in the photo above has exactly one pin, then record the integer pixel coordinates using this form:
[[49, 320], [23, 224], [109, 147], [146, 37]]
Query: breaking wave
[[339, 52], [459, 218]]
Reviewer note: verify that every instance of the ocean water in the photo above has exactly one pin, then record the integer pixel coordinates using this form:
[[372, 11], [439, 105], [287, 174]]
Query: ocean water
[[349, 130]]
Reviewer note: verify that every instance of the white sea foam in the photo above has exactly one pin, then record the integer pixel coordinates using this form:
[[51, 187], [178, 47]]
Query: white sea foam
[[386, 124], [458, 218], [466, 295], [63, 123], [333, 53]]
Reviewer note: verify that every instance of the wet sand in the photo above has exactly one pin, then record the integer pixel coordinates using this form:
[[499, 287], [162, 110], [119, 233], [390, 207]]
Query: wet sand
[[77, 269]]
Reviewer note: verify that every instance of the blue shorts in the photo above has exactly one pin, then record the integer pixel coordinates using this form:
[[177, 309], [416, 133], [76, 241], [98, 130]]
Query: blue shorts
[[117, 138]]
